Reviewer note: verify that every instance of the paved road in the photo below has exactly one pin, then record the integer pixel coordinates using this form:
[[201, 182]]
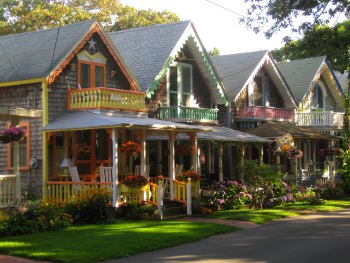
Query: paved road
[[312, 238]]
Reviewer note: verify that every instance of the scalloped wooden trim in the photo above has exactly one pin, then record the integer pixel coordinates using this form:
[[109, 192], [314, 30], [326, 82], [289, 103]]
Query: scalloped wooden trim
[[65, 63]]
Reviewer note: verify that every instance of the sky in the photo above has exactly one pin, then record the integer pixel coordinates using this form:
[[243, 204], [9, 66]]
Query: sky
[[216, 26]]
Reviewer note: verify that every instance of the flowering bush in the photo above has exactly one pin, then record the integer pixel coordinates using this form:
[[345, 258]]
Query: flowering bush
[[134, 181], [332, 151], [12, 134], [130, 148], [185, 149], [82, 148], [183, 177], [90, 207], [230, 195]]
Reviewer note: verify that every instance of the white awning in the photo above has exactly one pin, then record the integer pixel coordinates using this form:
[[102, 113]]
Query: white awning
[[85, 120]]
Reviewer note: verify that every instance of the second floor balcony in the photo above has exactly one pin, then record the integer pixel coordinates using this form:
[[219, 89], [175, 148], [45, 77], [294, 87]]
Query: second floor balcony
[[320, 119], [264, 113], [184, 114], [106, 98]]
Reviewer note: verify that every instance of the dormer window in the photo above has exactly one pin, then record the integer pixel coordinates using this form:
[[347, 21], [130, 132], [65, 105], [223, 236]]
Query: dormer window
[[91, 70], [180, 85]]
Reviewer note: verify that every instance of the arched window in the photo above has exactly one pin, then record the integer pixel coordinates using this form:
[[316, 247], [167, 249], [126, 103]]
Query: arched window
[[318, 98], [91, 70]]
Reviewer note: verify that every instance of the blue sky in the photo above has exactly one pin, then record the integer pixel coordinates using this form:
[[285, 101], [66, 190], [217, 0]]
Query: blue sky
[[216, 26]]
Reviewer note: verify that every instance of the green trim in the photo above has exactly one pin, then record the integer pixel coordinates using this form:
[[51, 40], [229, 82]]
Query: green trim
[[159, 77]]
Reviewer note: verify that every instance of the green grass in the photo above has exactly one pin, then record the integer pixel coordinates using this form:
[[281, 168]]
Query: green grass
[[96, 243], [263, 216]]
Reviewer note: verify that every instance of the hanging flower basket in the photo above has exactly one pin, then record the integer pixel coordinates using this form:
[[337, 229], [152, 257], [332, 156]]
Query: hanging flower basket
[[332, 151], [12, 134], [82, 150], [185, 149], [130, 148], [288, 151]]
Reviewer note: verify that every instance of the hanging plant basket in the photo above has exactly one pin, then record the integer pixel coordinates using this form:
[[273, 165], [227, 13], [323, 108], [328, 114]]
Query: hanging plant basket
[[12, 134], [185, 149], [130, 148]]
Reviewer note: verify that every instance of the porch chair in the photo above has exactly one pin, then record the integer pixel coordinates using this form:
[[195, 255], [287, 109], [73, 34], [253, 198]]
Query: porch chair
[[75, 177], [106, 174]]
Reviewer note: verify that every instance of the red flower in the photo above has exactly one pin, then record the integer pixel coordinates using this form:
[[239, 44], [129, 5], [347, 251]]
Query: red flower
[[130, 148], [183, 177], [134, 181], [185, 149]]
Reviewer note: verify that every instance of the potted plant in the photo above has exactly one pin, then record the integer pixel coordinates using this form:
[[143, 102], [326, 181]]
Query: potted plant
[[12, 134], [82, 150], [131, 149], [133, 183], [332, 151]]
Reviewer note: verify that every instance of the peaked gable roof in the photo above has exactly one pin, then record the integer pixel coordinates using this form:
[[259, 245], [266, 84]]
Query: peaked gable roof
[[237, 70], [149, 51], [43, 54], [31, 55], [301, 75]]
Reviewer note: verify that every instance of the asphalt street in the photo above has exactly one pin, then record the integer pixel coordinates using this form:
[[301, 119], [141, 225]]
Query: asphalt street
[[311, 238]]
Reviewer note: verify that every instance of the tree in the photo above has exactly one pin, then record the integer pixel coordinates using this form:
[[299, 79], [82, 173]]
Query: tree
[[332, 42], [214, 52], [283, 13], [18, 16]]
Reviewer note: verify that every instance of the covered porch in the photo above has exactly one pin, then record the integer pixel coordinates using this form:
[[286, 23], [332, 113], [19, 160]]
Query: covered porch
[[103, 133]]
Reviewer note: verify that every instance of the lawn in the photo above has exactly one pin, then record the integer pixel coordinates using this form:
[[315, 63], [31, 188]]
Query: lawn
[[97, 243], [263, 216]]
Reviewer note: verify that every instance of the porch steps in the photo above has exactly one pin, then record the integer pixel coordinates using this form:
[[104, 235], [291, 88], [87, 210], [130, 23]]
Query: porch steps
[[173, 209]]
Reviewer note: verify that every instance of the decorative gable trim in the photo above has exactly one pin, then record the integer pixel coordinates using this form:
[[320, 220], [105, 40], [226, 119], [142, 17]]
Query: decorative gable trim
[[189, 32], [86, 56], [95, 29], [267, 59], [325, 68]]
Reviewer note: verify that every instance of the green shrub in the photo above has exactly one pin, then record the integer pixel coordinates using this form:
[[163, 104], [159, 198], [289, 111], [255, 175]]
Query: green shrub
[[137, 211], [91, 207], [331, 191], [35, 216]]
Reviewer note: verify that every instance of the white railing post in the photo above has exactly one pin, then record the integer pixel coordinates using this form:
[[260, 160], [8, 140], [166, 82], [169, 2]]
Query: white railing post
[[189, 197], [115, 167], [160, 199]]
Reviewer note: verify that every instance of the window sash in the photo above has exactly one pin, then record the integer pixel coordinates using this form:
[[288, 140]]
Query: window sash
[[23, 149]]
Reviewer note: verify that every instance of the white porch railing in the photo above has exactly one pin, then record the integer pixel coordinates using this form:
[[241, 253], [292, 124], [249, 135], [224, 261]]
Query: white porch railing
[[8, 191], [328, 118]]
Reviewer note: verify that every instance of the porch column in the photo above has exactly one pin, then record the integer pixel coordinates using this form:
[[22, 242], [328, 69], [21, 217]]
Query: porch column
[[242, 161], [45, 166], [159, 158], [208, 158], [212, 165], [115, 166], [171, 163], [16, 171], [261, 155], [195, 155], [143, 152], [314, 160], [221, 174]]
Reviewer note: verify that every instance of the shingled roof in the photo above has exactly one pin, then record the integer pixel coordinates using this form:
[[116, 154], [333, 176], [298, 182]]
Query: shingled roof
[[299, 74], [237, 70], [33, 54], [149, 51]]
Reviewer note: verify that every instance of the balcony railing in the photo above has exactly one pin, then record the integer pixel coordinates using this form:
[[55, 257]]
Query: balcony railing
[[183, 113], [106, 98], [264, 113], [328, 118]]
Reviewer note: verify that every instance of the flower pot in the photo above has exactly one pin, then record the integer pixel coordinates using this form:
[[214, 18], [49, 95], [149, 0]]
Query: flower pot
[[125, 189], [5, 139]]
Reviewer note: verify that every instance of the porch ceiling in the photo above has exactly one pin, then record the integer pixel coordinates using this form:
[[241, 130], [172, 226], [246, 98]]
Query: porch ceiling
[[85, 120], [222, 134]]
